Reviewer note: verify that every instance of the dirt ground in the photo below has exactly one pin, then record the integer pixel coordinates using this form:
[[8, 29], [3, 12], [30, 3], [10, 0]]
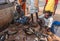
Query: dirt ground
[[21, 36]]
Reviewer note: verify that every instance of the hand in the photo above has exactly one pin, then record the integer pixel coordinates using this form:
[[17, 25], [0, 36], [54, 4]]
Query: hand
[[53, 14], [48, 29]]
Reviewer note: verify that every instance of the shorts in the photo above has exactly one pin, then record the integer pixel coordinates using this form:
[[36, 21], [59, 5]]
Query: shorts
[[33, 10]]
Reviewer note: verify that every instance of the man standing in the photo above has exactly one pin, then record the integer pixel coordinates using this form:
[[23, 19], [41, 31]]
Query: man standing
[[34, 8], [51, 6]]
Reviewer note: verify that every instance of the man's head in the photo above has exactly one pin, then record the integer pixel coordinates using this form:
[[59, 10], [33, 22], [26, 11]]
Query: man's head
[[48, 14], [18, 8]]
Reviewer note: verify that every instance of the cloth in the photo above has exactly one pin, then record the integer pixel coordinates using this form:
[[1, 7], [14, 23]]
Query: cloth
[[50, 5], [48, 22], [22, 20], [54, 24], [32, 7], [56, 2]]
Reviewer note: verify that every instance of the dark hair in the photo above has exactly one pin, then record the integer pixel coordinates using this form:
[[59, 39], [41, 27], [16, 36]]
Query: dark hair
[[50, 13], [18, 7], [23, 0]]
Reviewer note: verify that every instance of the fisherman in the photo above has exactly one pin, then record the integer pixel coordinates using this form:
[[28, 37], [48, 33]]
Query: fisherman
[[50, 6], [19, 16], [48, 20]]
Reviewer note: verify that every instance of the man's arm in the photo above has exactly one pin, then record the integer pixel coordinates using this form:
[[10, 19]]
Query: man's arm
[[50, 22], [41, 16], [55, 6], [45, 6]]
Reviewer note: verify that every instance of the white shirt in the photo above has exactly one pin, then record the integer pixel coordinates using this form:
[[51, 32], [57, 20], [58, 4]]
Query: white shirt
[[48, 22]]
